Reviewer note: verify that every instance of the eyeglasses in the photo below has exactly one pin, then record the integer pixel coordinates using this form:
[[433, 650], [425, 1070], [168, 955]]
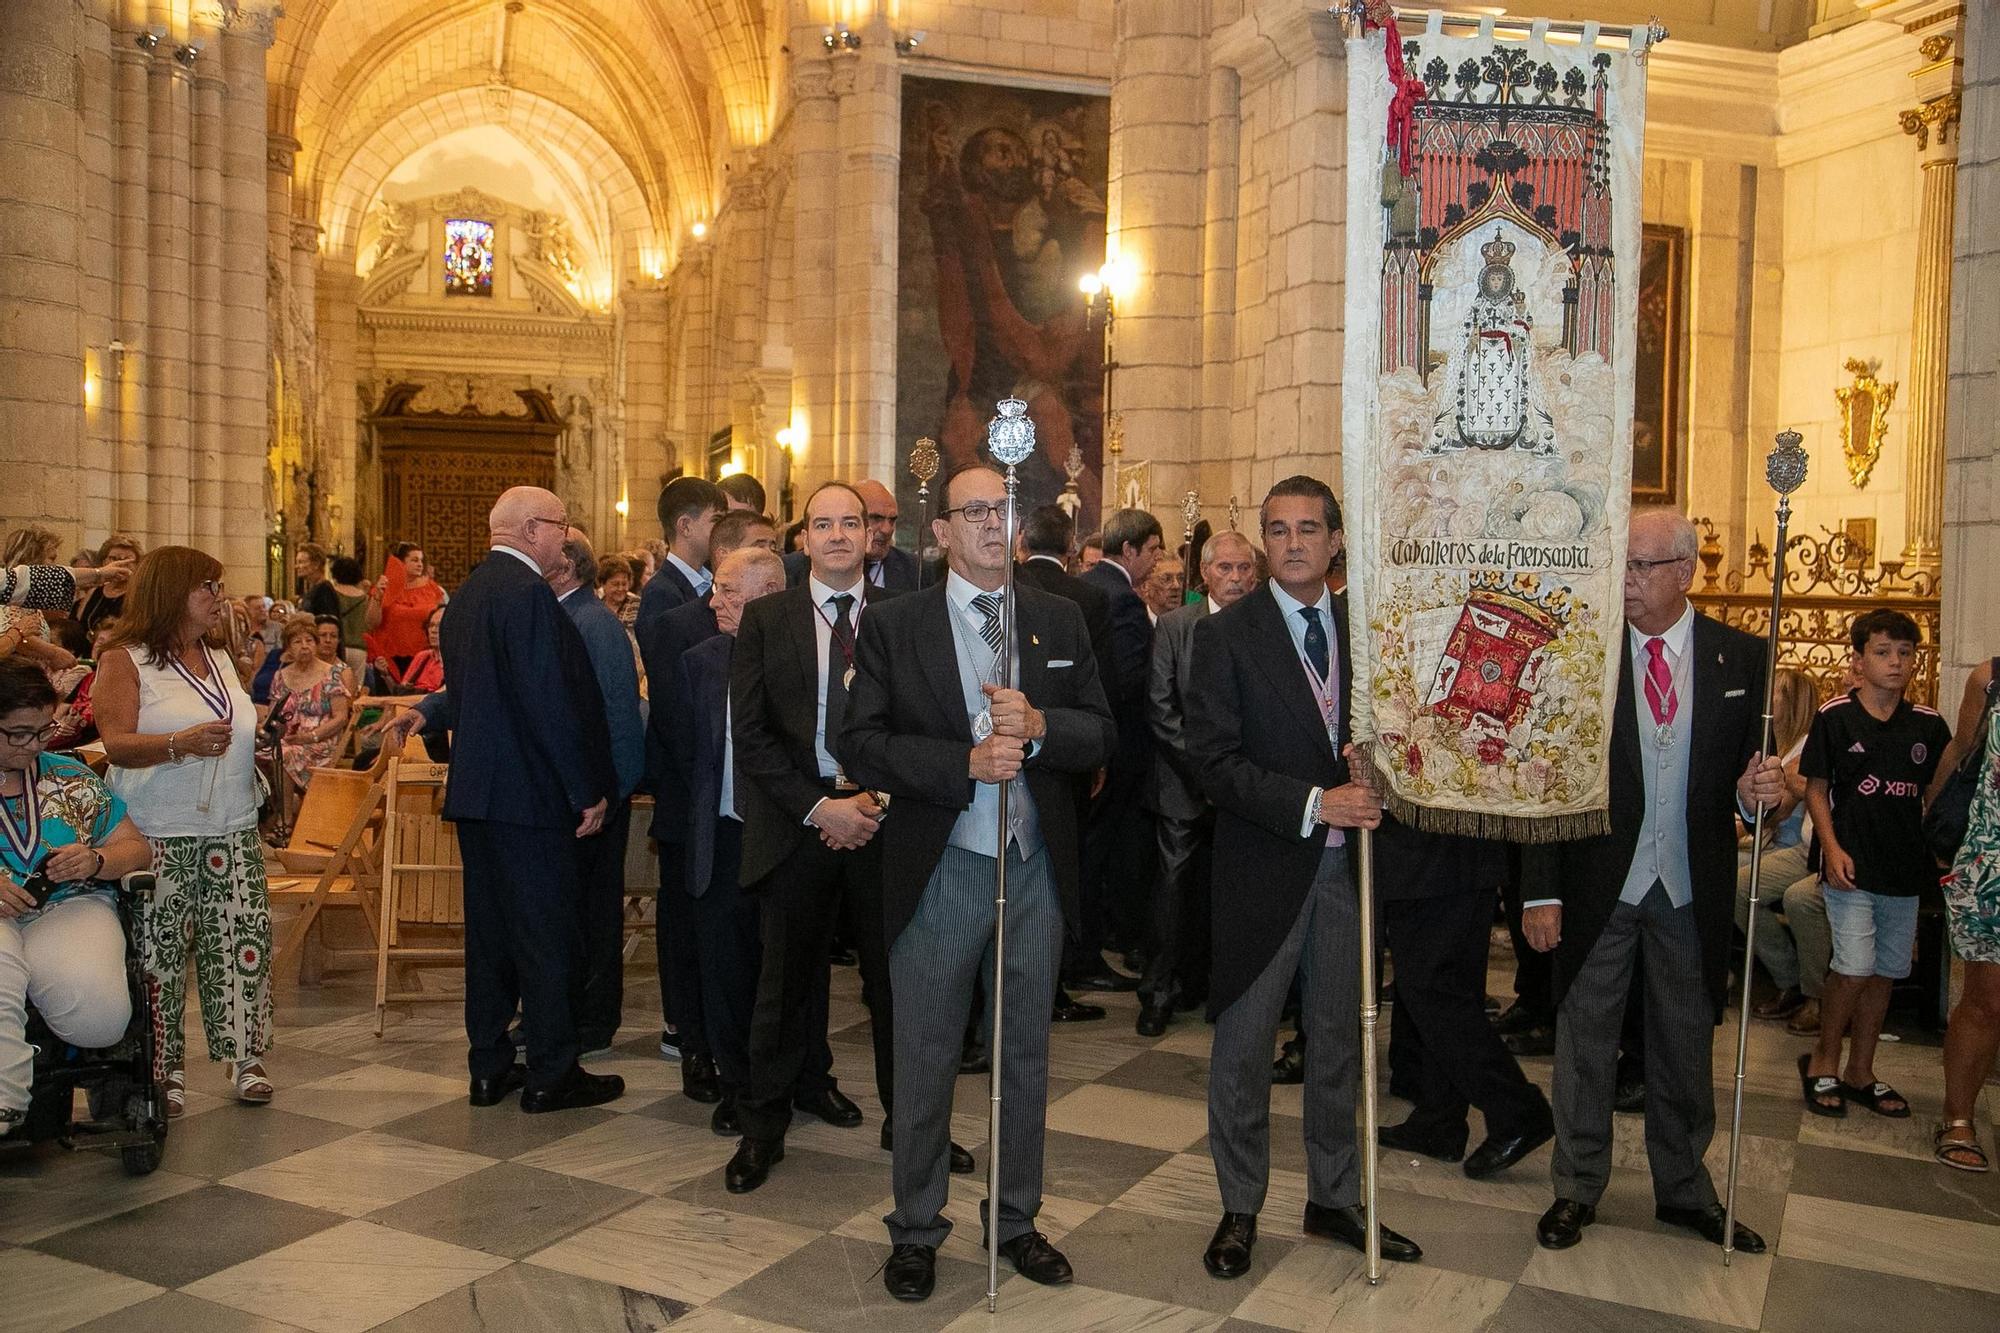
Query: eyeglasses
[[1645, 567], [213, 587], [561, 522], [978, 511], [28, 735]]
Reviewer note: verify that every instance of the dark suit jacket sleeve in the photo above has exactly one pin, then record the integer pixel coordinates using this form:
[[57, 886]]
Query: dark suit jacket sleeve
[[1131, 640], [936, 769], [554, 693], [1163, 695], [1215, 707], [610, 651], [1082, 735], [760, 755]]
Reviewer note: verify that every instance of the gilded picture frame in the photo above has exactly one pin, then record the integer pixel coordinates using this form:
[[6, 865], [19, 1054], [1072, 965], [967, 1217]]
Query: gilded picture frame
[[1864, 419]]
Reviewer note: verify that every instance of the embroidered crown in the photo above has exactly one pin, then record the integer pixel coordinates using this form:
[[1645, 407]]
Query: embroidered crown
[[1497, 251]]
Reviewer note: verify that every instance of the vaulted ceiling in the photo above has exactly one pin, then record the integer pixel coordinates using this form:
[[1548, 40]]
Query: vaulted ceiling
[[636, 92]]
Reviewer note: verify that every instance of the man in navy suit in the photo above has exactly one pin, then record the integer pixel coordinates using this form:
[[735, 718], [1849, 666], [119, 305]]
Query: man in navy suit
[[688, 509], [573, 579], [1118, 843], [663, 640], [726, 919], [885, 564], [531, 772]]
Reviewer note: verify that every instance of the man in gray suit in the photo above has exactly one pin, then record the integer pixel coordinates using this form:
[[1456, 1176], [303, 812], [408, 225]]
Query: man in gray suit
[[1177, 950], [931, 722]]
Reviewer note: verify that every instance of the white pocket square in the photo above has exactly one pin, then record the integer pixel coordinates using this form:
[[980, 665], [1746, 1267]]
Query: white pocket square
[[1060, 662], [1735, 694]]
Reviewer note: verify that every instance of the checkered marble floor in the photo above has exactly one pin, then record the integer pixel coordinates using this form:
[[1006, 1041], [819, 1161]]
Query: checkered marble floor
[[371, 1196]]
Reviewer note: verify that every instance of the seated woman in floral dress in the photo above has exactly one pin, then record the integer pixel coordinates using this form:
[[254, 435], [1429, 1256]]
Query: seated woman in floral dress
[[310, 695]]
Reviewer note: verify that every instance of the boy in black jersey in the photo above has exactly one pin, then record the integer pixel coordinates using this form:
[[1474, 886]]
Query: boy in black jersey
[[1867, 762]]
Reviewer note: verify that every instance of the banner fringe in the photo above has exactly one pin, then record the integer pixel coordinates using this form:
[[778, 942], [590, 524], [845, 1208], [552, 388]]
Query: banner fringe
[[1479, 824]]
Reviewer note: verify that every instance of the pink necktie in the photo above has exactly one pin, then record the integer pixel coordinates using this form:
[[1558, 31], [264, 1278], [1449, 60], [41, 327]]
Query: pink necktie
[[1660, 691]]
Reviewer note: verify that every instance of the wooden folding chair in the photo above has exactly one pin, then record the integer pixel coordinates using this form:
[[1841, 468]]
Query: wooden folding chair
[[332, 840], [423, 883], [642, 877]]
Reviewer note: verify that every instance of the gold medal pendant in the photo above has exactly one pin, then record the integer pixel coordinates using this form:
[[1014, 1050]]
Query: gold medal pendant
[[847, 679]]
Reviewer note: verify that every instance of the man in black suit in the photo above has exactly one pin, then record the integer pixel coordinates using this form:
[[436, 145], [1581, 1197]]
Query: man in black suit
[[662, 642], [688, 508], [1118, 843], [1267, 729], [927, 682], [724, 918], [1177, 943], [886, 565], [810, 846], [1660, 886], [530, 773], [1437, 892]]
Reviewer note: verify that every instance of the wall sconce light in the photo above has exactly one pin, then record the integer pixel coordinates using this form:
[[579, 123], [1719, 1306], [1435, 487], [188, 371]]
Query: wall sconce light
[[623, 507], [188, 52], [845, 36], [699, 230], [149, 40], [910, 43]]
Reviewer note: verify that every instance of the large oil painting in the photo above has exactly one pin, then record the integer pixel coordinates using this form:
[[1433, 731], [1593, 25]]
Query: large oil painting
[[1001, 213], [1661, 369]]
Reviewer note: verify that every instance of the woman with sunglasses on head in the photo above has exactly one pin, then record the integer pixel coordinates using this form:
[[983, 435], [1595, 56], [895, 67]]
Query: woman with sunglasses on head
[[180, 733], [64, 840]]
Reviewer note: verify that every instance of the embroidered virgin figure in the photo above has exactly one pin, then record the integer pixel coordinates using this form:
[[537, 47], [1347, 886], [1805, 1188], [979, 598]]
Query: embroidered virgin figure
[[1494, 403]]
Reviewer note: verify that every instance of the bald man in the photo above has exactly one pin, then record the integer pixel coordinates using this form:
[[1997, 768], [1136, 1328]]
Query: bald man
[[1659, 888], [531, 773]]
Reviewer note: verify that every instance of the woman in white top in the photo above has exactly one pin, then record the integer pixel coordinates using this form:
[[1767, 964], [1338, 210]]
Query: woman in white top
[[180, 734]]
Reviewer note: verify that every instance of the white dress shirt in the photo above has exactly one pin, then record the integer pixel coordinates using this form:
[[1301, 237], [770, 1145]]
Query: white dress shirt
[[523, 557], [699, 578], [1289, 607]]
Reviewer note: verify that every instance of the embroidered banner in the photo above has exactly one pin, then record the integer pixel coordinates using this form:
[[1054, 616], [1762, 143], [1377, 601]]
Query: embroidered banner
[[1486, 419]]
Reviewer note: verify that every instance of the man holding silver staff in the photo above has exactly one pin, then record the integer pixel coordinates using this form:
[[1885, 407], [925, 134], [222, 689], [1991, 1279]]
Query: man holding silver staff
[[1660, 886], [929, 723], [1267, 727]]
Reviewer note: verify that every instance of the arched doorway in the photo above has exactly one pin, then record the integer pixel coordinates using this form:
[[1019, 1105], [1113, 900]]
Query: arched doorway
[[441, 471]]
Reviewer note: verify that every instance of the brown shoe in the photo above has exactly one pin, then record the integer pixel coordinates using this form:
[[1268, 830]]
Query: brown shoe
[[1782, 1005], [1804, 1023]]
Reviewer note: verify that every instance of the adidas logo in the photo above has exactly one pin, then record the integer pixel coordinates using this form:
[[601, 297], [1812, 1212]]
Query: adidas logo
[[1857, 748]]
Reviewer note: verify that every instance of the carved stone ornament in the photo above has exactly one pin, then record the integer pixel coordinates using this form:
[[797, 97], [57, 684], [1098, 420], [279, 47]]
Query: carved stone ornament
[[1864, 419]]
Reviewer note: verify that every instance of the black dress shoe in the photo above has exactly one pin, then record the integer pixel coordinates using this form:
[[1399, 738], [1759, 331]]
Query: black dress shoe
[[1290, 1067], [961, 1160], [1497, 1154], [974, 1061], [911, 1272], [580, 1089], [1101, 978], [723, 1123], [1350, 1227], [1537, 1040], [1630, 1096], [1153, 1019], [830, 1105], [699, 1080], [1708, 1223], [752, 1164], [839, 957], [1520, 1017], [1069, 1011], [1037, 1260], [1404, 1138], [493, 1091], [1562, 1225], [1228, 1253]]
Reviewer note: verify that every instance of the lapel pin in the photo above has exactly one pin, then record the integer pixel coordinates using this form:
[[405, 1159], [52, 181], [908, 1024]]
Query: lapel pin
[[1035, 639]]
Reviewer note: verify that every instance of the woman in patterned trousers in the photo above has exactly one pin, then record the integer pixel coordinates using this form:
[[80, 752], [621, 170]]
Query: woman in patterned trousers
[[180, 734]]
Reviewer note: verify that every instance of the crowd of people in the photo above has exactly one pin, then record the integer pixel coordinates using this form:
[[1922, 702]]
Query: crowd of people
[[842, 745]]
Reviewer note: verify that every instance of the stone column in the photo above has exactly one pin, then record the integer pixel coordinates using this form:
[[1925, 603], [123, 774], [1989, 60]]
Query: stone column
[[41, 274], [333, 292], [98, 476], [167, 341], [648, 451], [1934, 124], [865, 339], [205, 483], [1218, 288], [129, 371], [246, 306], [1158, 198], [815, 174], [1972, 397]]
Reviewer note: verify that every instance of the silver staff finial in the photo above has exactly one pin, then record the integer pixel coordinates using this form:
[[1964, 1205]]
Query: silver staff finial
[[1785, 469], [1010, 436]]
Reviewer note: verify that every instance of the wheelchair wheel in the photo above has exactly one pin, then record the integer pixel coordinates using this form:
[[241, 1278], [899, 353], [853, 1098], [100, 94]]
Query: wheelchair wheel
[[143, 1160]]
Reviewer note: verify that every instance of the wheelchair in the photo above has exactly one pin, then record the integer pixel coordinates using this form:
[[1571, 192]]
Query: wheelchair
[[127, 1105]]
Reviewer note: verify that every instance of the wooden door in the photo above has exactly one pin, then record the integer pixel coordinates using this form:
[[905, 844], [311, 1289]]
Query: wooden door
[[437, 493]]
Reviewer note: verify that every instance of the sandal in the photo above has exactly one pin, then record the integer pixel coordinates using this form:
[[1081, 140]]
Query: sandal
[[1874, 1095], [174, 1087], [1817, 1089], [1974, 1156], [252, 1085]]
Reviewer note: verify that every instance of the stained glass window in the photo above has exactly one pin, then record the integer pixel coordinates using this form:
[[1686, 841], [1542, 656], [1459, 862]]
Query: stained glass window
[[468, 257]]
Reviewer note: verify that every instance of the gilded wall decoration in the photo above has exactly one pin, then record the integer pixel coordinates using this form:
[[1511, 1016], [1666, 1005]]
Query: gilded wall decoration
[[1864, 418]]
